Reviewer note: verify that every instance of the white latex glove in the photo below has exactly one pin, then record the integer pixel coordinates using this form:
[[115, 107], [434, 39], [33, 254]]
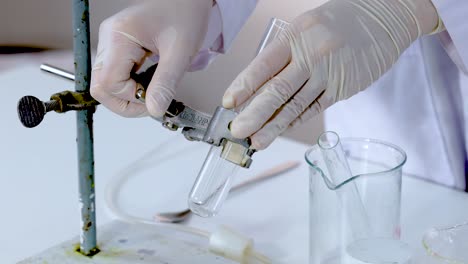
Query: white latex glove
[[326, 55], [173, 29]]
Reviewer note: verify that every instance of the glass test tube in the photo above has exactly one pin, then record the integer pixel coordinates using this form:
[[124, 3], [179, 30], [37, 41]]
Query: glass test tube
[[213, 184], [215, 179]]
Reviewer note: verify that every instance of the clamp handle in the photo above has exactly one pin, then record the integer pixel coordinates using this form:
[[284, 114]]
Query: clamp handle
[[144, 78]]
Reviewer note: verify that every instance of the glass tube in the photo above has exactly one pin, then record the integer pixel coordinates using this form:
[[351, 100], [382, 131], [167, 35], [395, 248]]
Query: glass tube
[[275, 27], [215, 179], [213, 184], [339, 172]]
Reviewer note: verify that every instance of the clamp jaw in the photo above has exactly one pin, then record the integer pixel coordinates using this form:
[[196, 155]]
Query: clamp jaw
[[214, 130]]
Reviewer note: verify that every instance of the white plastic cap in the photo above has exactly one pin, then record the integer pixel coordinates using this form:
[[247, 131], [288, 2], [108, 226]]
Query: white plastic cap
[[230, 244]]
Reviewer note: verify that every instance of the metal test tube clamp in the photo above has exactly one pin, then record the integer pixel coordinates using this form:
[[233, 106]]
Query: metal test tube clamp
[[195, 125], [212, 129]]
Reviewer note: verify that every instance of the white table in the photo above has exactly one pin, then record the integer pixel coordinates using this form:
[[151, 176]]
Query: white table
[[39, 180]]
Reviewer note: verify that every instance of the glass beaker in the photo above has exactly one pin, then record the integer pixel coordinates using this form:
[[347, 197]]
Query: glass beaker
[[215, 178], [376, 170]]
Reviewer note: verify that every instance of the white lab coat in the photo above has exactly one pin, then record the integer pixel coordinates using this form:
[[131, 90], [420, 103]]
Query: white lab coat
[[420, 104]]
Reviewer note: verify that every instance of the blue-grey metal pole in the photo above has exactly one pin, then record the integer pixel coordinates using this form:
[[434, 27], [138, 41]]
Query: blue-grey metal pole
[[81, 46]]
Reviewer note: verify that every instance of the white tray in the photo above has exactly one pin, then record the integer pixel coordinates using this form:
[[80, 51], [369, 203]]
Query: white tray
[[133, 243]]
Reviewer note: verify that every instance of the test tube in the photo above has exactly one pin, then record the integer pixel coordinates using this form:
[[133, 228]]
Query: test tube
[[213, 184], [215, 179], [340, 173], [275, 27]]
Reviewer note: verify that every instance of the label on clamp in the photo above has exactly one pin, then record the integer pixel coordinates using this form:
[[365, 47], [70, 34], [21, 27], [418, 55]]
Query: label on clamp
[[190, 116]]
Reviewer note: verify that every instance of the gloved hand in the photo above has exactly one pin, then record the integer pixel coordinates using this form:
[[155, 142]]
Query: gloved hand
[[174, 30], [326, 55]]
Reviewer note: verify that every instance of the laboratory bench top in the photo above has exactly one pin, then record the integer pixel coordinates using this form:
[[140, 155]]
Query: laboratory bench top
[[39, 180]]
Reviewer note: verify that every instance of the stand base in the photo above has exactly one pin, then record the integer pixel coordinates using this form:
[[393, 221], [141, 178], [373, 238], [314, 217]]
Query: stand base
[[133, 243]]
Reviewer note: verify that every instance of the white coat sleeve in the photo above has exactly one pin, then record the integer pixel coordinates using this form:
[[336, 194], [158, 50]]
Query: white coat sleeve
[[455, 39], [226, 20]]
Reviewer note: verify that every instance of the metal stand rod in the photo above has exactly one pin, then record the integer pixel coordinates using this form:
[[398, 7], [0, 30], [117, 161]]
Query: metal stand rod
[[81, 46]]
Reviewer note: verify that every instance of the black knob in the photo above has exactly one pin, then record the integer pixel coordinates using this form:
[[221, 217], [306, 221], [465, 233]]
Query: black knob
[[31, 111], [144, 78]]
